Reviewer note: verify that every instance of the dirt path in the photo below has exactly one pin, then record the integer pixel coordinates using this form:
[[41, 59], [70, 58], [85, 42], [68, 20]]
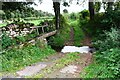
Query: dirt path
[[34, 68], [70, 42], [71, 70], [87, 41], [74, 69]]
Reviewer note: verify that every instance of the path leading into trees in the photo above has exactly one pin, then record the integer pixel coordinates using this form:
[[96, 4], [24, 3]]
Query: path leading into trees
[[74, 69], [70, 42]]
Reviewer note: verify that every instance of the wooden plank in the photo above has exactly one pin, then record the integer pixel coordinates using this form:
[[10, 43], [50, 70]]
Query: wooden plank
[[39, 26], [48, 34]]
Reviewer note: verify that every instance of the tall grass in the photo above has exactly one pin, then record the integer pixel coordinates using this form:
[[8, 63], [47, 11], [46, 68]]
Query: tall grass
[[18, 58], [78, 32]]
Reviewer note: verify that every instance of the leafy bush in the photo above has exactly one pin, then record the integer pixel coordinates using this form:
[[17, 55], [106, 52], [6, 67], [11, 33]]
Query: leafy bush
[[111, 59], [20, 38], [83, 20], [107, 61], [111, 39], [93, 27], [101, 21], [84, 14], [73, 16], [63, 34], [6, 41], [109, 51], [2, 14], [96, 70], [106, 65]]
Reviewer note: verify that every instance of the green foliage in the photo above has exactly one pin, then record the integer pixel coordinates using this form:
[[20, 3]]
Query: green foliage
[[16, 58], [21, 10], [28, 12], [112, 60], [97, 6], [6, 40], [63, 34], [107, 61], [63, 22], [109, 49], [111, 39], [2, 24], [111, 19], [106, 65], [96, 70], [2, 13], [78, 33], [73, 16], [84, 14], [31, 36], [12, 15], [35, 22], [103, 21], [65, 11], [83, 20], [71, 57], [104, 28], [20, 38]]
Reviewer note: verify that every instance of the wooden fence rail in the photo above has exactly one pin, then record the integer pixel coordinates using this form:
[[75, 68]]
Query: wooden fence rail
[[44, 28]]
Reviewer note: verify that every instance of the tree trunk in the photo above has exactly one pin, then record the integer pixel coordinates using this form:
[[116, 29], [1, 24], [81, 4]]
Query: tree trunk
[[56, 6], [110, 6], [91, 10]]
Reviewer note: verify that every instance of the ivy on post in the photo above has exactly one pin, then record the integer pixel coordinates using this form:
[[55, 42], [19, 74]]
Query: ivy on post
[[56, 6], [91, 9]]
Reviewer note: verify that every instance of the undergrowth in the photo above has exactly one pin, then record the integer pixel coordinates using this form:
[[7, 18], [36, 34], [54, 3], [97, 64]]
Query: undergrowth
[[107, 61], [63, 35], [18, 58]]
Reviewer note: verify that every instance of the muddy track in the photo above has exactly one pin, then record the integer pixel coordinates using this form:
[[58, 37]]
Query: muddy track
[[80, 64]]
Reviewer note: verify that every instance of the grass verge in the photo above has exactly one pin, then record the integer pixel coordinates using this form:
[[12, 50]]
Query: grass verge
[[78, 32], [3, 24], [17, 58]]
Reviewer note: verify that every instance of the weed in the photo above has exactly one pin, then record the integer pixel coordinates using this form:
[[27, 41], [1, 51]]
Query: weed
[[15, 59]]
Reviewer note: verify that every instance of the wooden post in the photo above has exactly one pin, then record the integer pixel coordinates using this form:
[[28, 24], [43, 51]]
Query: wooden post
[[43, 29], [38, 31]]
